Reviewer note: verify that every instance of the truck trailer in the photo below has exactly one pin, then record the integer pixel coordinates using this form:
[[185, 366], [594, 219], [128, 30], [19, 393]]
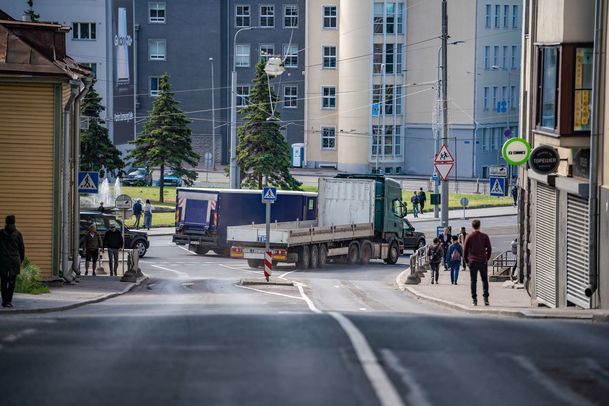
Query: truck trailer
[[203, 214], [359, 218]]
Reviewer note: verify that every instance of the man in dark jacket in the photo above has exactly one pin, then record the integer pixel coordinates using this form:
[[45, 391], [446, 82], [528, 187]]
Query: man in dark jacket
[[113, 241], [137, 212], [422, 199], [12, 254], [477, 253]]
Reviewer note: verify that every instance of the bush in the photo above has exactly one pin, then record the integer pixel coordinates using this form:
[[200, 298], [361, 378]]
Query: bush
[[28, 281]]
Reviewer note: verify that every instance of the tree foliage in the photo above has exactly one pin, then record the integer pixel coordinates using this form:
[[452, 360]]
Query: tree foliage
[[263, 154], [30, 13], [96, 149], [166, 140]]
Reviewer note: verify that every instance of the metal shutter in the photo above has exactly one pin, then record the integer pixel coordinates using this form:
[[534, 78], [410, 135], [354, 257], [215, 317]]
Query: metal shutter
[[577, 250], [545, 246]]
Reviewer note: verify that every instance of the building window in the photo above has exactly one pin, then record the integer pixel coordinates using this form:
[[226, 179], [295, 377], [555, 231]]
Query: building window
[[487, 16], [328, 98], [548, 87], [243, 96], [485, 143], [267, 51], [497, 15], [398, 100], [290, 16], [93, 67], [267, 16], [242, 55], [329, 14], [506, 15], [391, 140], [242, 16], [495, 91], [154, 84], [504, 62], [514, 16], [388, 18], [399, 63], [514, 56], [328, 138], [390, 58], [290, 54], [486, 94], [400, 18], [397, 146], [329, 57], [496, 55], [487, 57], [156, 12], [83, 31], [157, 49], [290, 97], [513, 98], [504, 96], [583, 89]]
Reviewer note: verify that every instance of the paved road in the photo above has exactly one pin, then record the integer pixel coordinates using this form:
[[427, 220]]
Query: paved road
[[342, 337]]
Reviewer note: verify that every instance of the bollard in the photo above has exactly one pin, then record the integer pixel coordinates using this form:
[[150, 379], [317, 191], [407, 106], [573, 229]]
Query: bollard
[[413, 278]]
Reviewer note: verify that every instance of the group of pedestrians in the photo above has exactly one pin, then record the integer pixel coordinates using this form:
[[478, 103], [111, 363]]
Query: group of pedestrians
[[471, 251], [112, 241], [418, 200], [138, 210]]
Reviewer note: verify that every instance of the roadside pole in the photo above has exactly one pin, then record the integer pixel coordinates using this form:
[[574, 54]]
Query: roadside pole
[[269, 195], [444, 200], [123, 203]]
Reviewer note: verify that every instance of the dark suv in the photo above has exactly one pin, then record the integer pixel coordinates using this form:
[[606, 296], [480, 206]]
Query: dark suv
[[133, 239], [413, 240]]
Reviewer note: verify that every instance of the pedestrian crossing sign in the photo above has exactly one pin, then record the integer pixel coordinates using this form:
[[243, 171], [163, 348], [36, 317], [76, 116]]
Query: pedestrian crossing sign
[[88, 182], [497, 186], [269, 194]]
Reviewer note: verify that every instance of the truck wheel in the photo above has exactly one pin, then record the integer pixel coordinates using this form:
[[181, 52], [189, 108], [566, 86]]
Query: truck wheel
[[353, 253], [323, 256], [365, 253], [222, 252], [314, 256], [255, 263], [304, 257], [200, 250], [394, 253]]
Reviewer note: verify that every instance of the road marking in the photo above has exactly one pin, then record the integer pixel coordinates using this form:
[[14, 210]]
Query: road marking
[[308, 301], [11, 338], [186, 249], [558, 390], [269, 293], [362, 309], [239, 269], [285, 274], [180, 274], [385, 391], [415, 396]]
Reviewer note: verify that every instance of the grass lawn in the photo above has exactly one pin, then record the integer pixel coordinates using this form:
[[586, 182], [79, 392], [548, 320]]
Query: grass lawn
[[152, 193], [476, 201], [158, 220]]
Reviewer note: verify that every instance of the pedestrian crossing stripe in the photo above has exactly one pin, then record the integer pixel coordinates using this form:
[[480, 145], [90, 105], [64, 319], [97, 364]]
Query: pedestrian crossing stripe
[[269, 195], [87, 183], [497, 189]]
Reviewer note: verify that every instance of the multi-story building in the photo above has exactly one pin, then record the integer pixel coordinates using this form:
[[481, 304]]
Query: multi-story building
[[565, 210]]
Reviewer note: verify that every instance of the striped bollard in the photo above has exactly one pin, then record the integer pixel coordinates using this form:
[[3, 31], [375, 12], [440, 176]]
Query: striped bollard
[[268, 264]]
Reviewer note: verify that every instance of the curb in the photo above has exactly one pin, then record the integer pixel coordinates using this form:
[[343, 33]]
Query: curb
[[248, 282], [467, 218], [78, 304], [160, 234]]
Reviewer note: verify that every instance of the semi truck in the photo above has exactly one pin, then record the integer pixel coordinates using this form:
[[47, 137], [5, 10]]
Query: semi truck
[[203, 214], [359, 218]]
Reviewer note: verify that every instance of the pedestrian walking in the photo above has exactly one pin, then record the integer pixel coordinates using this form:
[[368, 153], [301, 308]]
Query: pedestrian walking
[[462, 237], [477, 253], [93, 243], [455, 255], [101, 208], [445, 240], [514, 193], [414, 199], [422, 199], [434, 252], [12, 254], [137, 212], [113, 242], [147, 214]]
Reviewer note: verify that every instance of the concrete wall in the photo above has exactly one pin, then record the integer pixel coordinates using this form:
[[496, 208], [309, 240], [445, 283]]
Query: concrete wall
[[565, 21]]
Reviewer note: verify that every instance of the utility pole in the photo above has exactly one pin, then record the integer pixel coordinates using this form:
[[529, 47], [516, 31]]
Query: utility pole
[[213, 118], [444, 105]]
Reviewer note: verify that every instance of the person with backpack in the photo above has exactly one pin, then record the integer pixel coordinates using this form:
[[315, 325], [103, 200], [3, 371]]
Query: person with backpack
[[435, 254], [422, 199], [414, 199], [455, 256]]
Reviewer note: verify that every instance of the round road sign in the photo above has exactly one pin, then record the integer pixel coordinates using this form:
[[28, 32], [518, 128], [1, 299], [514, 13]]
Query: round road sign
[[464, 201], [516, 151], [123, 202]]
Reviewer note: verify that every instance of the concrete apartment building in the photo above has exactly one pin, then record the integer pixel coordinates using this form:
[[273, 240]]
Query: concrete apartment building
[[565, 211]]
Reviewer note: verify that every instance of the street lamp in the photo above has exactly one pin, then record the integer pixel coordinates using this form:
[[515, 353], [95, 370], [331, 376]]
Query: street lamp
[[213, 118], [233, 168]]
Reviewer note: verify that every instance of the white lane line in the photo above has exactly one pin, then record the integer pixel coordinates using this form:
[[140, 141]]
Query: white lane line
[[304, 297], [282, 276], [415, 396], [240, 269], [186, 249], [269, 293], [11, 338], [385, 391], [558, 390], [180, 274]]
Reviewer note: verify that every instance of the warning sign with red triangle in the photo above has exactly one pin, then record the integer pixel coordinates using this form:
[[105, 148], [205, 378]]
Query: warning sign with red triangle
[[444, 162]]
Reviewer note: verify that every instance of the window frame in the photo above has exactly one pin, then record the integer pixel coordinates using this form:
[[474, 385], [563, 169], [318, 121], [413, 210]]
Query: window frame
[[514, 57], [242, 98], [266, 46], [243, 16], [323, 136], [487, 57], [506, 15], [266, 16], [249, 55], [286, 17], [329, 17], [329, 58], [488, 15], [515, 16], [540, 88], [158, 41], [290, 53], [92, 31], [157, 19], [151, 92], [328, 98], [497, 16], [293, 98], [486, 94]]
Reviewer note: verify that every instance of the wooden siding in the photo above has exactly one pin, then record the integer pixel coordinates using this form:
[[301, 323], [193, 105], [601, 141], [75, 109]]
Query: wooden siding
[[26, 166]]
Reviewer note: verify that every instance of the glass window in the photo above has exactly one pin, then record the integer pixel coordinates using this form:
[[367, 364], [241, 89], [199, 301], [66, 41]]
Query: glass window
[[514, 57], [583, 89], [267, 16], [504, 63], [378, 18], [485, 137], [242, 16], [400, 18], [496, 132], [388, 18], [243, 96], [157, 49], [487, 57], [486, 94], [84, 31], [267, 51], [398, 142], [389, 99], [290, 53], [328, 138], [290, 16], [548, 85], [398, 100], [242, 55], [156, 12], [290, 97], [397, 207], [329, 13], [399, 63], [514, 16], [504, 95], [506, 15], [487, 16], [328, 99], [496, 55], [495, 97], [329, 57], [389, 58], [497, 15], [513, 98], [154, 85]]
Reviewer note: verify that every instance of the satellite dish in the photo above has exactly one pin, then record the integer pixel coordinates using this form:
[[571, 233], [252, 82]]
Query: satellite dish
[[274, 67]]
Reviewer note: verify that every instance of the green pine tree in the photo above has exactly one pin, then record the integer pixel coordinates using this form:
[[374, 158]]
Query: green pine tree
[[96, 150], [166, 140], [262, 152], [30, 11]]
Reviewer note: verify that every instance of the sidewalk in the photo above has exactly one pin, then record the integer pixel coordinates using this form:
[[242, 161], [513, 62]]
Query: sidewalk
[[90, 289], [504, 300], [469, 213], [160, 231]]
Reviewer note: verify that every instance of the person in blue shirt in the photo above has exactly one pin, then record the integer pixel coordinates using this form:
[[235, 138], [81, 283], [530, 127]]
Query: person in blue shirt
[[137, 212], [455, 257]]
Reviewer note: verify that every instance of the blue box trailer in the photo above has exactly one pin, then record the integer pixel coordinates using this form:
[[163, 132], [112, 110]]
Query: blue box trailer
[[203, 214]]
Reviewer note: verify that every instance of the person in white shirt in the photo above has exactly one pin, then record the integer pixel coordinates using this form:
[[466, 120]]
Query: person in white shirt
[[147, 214]]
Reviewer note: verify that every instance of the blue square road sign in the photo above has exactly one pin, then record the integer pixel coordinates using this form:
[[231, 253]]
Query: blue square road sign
[[269, 194], [88, 182], [497, 186]]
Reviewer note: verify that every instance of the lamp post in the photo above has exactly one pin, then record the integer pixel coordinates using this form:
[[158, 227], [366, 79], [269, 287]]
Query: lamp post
[[233, 168], [213, 118]]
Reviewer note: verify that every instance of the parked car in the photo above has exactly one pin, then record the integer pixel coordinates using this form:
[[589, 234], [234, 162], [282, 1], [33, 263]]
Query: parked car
[[169, 179], [413, 240], [133, 239], [137, 177]]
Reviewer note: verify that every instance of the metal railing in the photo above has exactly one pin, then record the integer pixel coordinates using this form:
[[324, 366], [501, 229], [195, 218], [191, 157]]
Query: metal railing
[[419, 264], [503, 264]]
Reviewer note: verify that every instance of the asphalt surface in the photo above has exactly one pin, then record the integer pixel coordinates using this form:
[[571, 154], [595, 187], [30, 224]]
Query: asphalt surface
[[341, 336]]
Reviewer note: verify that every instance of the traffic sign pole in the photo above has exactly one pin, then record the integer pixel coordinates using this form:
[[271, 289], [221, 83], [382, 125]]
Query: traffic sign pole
[[269, 195]]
